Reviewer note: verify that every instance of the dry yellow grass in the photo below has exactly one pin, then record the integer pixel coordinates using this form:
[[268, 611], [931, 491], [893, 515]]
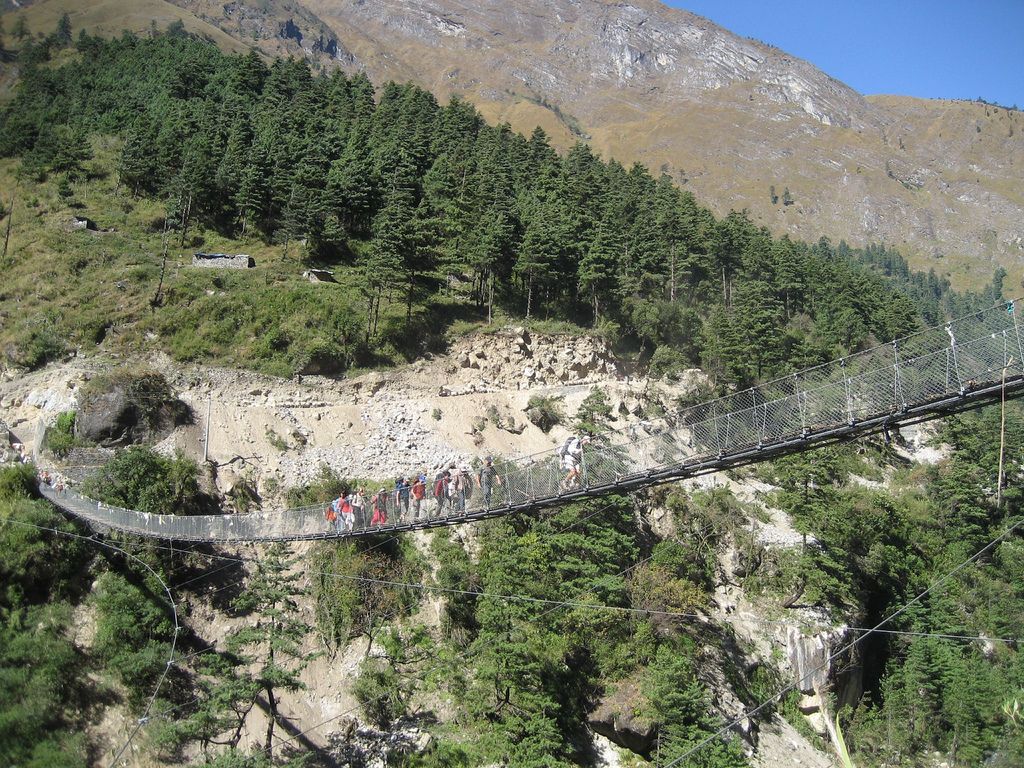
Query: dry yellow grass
[[108, 18]]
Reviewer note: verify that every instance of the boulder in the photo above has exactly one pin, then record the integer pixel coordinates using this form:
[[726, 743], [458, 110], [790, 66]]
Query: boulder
[[615, 718], [128, 407]]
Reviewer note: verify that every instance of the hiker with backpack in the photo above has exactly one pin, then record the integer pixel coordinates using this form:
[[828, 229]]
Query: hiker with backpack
[[486, 478], [456, 489], [402, 487], [358, 502], [348, 518], [571, 455], [331, 513]]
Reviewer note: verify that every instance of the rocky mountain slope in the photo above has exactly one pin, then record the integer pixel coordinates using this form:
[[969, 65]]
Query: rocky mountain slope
[[740, 123], [728, 117]]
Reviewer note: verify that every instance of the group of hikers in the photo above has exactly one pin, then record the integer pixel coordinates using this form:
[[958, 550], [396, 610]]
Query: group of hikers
[[414, 498]]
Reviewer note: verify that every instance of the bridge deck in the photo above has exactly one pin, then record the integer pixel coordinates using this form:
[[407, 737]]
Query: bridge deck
[[938, 371]]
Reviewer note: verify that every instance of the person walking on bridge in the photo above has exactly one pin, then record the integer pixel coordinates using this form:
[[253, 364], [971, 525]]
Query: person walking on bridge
[[486, 479], [571, 453], [418, 492], [380, 507]]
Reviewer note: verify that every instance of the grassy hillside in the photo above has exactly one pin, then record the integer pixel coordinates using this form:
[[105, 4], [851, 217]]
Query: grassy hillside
[[109, 18], [69, 289]]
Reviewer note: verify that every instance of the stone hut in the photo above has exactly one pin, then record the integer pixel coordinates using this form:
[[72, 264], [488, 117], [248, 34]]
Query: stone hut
[[223, 261]]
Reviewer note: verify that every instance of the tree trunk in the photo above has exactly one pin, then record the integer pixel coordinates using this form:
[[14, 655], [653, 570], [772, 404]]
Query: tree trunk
[[490, 297], [408, 299], [672, 278], [10, 219], [185, 219], [271, 718], [376, 310], [529, 296], [271, 708]]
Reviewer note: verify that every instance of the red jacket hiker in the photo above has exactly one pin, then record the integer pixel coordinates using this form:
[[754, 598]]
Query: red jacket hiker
[[380, 508]]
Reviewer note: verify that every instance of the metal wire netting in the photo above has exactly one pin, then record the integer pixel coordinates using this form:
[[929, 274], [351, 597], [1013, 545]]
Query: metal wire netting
[[966, 355]]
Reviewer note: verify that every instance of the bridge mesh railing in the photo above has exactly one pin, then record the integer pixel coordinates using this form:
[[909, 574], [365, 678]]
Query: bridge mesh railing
[[965, 355]]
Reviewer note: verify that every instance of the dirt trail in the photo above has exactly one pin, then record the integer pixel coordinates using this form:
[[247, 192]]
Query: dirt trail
[[277, 433]]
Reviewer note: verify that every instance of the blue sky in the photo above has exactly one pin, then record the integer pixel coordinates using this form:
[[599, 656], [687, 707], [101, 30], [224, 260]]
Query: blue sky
[[952, 49]]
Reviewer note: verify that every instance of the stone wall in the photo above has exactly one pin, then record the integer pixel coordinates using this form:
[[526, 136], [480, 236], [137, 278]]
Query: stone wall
[[223, 261]]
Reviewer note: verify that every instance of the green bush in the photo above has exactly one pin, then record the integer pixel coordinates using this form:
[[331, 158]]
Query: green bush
[[139, 478], [326, 486], [18, 481], [667, 363], [41, 344], [41, 674], [379, 692], [594, 412], [133, 632], [545, 411], [60, 438]]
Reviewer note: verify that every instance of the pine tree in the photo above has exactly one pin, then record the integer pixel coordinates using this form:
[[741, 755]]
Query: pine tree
[[136, 167], [392, 247], [542, 247], [599, 266], [21, 30], [63, 32], [271, 648]]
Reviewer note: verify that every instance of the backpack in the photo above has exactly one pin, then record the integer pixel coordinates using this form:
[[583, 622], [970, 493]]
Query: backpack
[[330, 515], [439, 487], [563, 449]]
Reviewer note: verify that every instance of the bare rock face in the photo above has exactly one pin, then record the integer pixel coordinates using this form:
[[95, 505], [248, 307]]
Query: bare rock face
[[517, 359], [615, 718], [127, 408]]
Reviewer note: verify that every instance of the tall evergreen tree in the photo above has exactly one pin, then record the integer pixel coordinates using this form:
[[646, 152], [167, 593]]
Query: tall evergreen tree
[[21, 30], [63, 34], [269, 653]]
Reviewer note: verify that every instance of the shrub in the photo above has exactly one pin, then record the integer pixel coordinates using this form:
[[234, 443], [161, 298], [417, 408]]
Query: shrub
[[42, 345], [379, 692], [133, 633], [142, 479], [17, 481], [545, 412], [276, 441], [594, 412], [60, 438], [326, 486], [667, 363]]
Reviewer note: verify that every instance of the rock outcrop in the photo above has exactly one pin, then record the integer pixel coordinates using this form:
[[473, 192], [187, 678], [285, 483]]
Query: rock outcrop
[[517, 359], [616, 718]]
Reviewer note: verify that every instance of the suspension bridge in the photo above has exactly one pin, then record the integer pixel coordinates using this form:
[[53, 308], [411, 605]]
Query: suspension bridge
[[943, 370]]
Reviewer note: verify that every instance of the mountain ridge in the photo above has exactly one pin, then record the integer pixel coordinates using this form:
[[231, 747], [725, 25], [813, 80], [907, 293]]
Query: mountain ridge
[[742, 124]]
